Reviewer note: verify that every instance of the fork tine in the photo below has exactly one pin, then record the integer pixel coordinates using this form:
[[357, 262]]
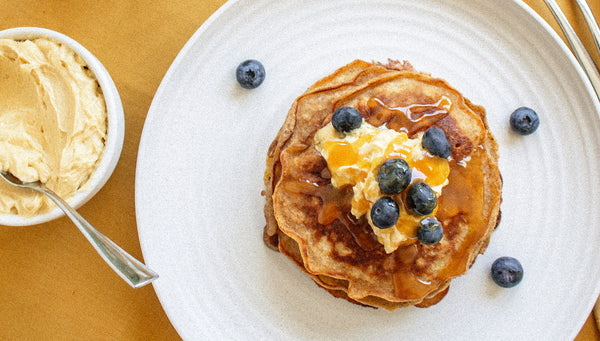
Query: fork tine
[[591, 22], [584, 58]]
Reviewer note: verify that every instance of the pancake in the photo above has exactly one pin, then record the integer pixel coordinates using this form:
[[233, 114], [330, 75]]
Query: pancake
[[309, 220]]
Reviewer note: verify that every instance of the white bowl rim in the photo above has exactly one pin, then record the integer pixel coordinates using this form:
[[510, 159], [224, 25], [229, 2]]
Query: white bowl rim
[[115, 131]]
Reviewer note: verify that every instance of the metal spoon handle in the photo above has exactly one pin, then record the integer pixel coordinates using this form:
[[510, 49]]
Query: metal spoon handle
[[134, 272]]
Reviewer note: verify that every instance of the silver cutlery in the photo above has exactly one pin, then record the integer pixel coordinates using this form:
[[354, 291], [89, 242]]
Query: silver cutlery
[[584, 58], [134, 272]]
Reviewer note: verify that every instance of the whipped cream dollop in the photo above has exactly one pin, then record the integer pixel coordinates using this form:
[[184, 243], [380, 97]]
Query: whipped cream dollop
[[354, 158]]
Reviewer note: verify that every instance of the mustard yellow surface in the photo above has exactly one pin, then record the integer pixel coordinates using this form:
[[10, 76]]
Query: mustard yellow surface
[[53, 285]]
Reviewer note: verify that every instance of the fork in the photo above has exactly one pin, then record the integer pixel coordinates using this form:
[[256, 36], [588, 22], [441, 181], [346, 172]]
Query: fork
[[582, 55], [591, 22]]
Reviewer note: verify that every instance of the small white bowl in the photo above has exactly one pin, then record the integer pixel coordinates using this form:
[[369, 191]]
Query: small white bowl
[[115, 131]]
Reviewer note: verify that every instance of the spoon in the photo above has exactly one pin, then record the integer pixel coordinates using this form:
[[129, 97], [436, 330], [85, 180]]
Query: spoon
[[134, 272]]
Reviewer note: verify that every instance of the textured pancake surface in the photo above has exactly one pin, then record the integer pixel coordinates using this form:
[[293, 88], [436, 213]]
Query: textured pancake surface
[[309, 220]]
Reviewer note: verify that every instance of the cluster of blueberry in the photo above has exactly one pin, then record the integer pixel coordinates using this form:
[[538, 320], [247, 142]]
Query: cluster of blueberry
[[394, 176]]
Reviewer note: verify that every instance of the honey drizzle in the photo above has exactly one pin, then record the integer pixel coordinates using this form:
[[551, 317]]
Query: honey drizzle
[[336, 206], [407, 284], [334, 201], [461, 202], [409, 119]]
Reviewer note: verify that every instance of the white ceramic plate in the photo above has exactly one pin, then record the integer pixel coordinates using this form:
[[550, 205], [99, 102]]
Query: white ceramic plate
[[201, 163]]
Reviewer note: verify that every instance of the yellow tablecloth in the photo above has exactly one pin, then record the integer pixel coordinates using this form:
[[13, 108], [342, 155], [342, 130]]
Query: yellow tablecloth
[[52, 284]]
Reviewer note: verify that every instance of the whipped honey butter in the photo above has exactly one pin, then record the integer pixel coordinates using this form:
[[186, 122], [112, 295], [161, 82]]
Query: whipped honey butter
[[354, 158], [53, 122]]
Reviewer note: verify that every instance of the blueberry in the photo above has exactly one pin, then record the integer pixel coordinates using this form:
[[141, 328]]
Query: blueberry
[[250, 74], [524, 121], [394, 176], [507, 272], [436, 142], [346, 119], [430, 231], [421, 198], [385, 213]]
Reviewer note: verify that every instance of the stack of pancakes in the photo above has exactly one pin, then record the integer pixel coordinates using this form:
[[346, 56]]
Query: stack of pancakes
[[309, 220]]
